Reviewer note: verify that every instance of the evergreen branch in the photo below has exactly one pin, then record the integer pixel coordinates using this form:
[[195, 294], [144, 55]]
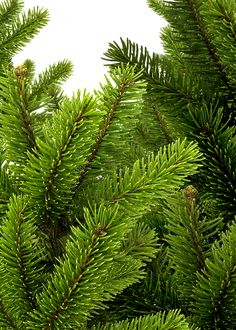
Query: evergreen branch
[[21, 261], [6, 321], [194, 42], [140, 243], [57, 98], [211, 48], [156, 292], [139, 246], [153, 130], [24, 104], [187, 24], [220, 20], [158, 70], [163, 125], [167, 86], [119, 101], [88, 260], [216, 142], [149, 182], [161, 321], [125, 272], [54, 75], [6, 188], [16, 125], [29, 66], [187, 243], [6, 184], [9, 10], [52, 173], [218, 309], [130, 53], [16, 35], [173, 48], [149, 136]]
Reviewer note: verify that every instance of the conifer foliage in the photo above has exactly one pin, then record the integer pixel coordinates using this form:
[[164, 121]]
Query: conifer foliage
[[73, 235], [192, 89]]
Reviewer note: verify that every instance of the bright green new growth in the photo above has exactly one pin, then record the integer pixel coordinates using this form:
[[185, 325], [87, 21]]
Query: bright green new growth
[[118, 207], [75, 188]]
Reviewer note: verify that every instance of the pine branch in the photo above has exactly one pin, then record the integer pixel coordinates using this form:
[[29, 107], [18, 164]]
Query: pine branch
[[29, 65], [158, 70], [139, 246], [198, 41], [220, 20], [153, 130], [211, 48]]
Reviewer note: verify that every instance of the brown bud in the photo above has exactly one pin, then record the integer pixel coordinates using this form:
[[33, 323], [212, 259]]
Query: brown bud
[[20, 71], [191, 193]]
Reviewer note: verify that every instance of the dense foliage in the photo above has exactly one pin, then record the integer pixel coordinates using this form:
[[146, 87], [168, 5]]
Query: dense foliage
[[191, 92], [117, 208]]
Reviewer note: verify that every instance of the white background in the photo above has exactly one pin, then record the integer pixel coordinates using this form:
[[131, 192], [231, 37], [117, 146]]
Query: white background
[[80, 30]]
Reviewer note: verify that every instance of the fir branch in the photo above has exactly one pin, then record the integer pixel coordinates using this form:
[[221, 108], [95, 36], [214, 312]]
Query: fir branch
[[161, 321], [103, 130], [5, 320], [218, 310], [9, 10], [6, 187], [187, 243], [52, 173], [153, 128], [220, 20], [21, 261], [149, 180], [163, 126], [16, 125], [54, 75], [29, 65], [210, 46], [216, 142], [22, 30], [119, 100], [23, 92], [140, 243], [187, 25], [156, 292], [88, 259], [166, 85]]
